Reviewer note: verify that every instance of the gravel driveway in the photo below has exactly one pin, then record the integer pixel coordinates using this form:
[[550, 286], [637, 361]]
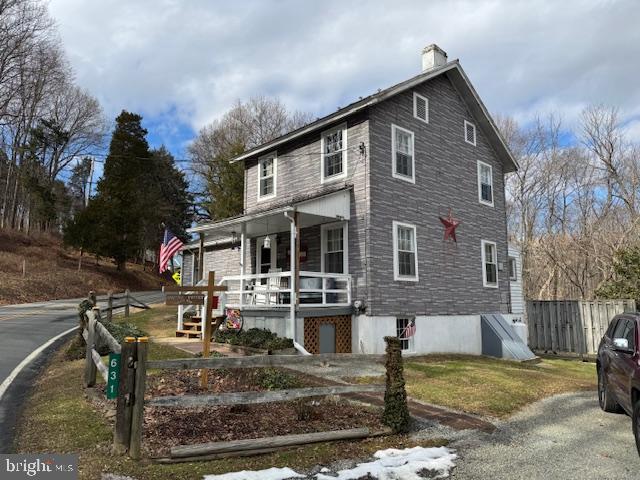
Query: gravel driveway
[[566, 437]]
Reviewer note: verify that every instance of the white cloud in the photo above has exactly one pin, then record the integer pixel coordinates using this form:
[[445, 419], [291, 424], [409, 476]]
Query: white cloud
[[194, 59]]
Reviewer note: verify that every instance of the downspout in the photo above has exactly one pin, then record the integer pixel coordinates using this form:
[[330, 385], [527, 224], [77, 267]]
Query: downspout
[[293, 300]]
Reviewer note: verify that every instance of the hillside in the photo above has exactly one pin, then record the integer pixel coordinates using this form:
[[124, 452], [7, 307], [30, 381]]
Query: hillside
[[52, 271]]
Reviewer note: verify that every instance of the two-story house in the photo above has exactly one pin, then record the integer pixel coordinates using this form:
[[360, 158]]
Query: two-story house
[[357, 197]]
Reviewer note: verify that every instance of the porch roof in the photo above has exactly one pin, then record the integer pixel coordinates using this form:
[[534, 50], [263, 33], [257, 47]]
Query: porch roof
[[324, 208]]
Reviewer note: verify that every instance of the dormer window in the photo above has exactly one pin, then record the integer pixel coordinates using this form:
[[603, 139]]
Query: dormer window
[[267, 169], [420, 107], [334, 154], [470, 133]]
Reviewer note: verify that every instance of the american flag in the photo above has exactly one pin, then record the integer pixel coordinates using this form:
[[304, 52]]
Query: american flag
[[170, 246], [409, 331]]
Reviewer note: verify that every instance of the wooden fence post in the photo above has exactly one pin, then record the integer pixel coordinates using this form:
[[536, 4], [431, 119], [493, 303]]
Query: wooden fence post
[[89, 366], [126, 305], [396, 411], [124, 403], [137, 415], [110, 306]]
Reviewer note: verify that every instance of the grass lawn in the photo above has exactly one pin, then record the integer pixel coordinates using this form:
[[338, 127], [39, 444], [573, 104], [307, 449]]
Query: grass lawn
[[492, 387], [158, 322], [59, 418]]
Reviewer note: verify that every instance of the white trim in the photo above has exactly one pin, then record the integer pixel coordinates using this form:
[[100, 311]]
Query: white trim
[[273, 156], [345, 244], [396, 267], [480, 199], [28, 359], [474, 133], [415, 107], [406, 178], [411, 345], [484, 263], [333, 178]]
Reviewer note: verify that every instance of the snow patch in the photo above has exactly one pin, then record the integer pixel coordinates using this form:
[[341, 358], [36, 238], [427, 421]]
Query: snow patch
[[268, 474], [390, 464]]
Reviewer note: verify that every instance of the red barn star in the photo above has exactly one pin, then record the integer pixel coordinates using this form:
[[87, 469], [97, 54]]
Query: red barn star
[[450, 225]]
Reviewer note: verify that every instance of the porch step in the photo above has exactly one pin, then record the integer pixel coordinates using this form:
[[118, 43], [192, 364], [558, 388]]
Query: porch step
[[190, 325], [188, 333]]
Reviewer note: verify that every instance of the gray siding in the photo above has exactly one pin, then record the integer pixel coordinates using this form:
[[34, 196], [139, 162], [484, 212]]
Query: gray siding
[[299, 177], [187, 265], [223, 261], [450, 276]]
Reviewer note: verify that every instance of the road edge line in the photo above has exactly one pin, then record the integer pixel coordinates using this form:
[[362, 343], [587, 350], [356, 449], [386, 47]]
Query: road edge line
[[4, 386]]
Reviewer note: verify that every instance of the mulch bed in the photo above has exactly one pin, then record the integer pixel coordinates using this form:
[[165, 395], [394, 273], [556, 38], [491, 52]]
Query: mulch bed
[[168, 427]]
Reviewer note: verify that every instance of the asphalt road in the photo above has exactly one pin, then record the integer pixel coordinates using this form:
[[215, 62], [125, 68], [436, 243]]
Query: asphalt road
[[566, 437], [23, 329]]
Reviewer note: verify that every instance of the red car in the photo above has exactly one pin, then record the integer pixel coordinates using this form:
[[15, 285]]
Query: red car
[[618, 367]]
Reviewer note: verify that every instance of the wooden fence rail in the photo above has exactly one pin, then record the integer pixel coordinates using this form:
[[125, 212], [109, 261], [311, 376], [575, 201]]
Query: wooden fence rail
[[574, 326], [129, 301], [95, 335], [262, 361]]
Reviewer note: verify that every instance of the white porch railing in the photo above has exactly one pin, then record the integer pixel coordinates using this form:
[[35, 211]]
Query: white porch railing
[[273, 290]]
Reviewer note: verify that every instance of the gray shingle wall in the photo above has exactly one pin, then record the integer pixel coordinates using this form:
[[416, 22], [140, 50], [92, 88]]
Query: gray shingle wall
[[450, 276], [299, 175], [224, 261], [187, 264]]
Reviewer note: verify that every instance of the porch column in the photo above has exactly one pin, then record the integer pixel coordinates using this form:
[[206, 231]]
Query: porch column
[[293, 248], [200, 260], [243, 246]]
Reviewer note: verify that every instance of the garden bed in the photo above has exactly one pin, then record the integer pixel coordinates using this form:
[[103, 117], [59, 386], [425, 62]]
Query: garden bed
[[254, 338], [168, 427]]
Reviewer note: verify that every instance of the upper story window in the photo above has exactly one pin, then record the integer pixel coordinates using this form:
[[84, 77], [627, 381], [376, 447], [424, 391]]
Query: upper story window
[[402, 152], [489, 264], [469, 133], [334, 153], [420, 107], [485, 183], [267, 167], [405, 252]]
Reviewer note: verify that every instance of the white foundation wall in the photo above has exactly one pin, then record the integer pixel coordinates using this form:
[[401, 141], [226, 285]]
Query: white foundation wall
[[434, 334]]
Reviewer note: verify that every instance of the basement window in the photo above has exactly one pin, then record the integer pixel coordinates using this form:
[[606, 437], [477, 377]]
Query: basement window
[[401, 327]]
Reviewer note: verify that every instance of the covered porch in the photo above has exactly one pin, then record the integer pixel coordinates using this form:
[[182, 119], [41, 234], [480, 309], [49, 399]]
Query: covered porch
[[268, 279]]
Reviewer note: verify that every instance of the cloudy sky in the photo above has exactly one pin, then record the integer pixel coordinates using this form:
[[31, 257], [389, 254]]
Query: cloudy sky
[[181, 64]]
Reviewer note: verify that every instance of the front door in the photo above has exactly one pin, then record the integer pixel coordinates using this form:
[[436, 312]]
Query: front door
[[265, 257], [327, 338]]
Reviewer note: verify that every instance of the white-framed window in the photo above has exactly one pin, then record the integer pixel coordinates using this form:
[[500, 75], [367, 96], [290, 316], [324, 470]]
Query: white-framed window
[[402, 153], [267, 173], [469, 133], [334, 246], [420, 107], [405, 252], [406, 343], [485, 183], [333, 145], [513, 269], [489, 264]]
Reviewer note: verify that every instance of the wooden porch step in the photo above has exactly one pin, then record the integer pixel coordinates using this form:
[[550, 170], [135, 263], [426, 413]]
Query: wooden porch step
[[189, 325], [188, 333]]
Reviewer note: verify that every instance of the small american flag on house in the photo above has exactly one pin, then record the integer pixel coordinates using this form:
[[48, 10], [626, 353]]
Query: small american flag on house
[[169, 247], [409, 331]]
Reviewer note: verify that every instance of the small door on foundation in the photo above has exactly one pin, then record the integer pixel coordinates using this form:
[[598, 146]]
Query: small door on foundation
[[327, 338]]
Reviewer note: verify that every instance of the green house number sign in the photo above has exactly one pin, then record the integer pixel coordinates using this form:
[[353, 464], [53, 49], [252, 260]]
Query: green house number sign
[[113, 379]]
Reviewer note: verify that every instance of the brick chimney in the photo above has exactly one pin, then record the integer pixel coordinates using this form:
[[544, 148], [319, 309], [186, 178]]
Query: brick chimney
[[433, 56]]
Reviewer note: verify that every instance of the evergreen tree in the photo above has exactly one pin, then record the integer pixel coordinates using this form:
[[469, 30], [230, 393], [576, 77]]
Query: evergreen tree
[[121, 189], [626, 278]]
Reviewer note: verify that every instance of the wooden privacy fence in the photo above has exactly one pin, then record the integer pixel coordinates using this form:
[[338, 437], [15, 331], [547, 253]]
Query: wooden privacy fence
[[574, 326]]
